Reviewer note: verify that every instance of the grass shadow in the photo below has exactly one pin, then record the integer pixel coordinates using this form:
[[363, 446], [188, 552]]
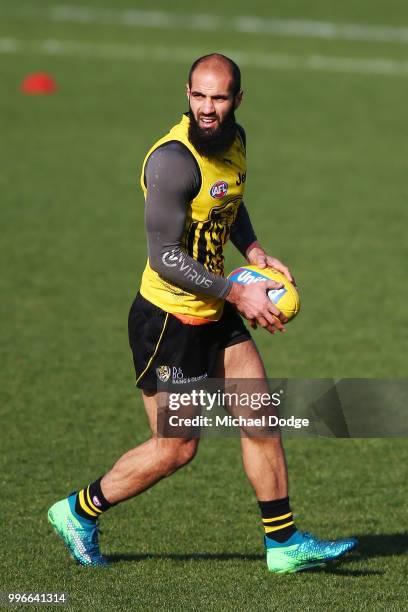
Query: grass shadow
[[381, 545], [204, 556], [370, 547]]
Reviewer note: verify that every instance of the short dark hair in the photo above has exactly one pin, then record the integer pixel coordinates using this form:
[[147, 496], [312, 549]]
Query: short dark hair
[[235, 71]]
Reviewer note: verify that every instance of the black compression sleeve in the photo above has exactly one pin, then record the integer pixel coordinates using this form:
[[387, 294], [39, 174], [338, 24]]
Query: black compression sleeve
[[172, 181], [242, 233]]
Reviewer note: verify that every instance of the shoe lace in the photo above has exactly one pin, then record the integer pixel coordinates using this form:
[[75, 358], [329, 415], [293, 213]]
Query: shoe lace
[[310, 536]]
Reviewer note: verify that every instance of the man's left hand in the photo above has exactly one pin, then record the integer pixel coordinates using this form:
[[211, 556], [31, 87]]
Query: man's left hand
[[257, 257]]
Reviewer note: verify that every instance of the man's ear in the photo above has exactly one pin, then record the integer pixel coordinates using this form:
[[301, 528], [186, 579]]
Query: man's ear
[[188, 91], [238, 99]]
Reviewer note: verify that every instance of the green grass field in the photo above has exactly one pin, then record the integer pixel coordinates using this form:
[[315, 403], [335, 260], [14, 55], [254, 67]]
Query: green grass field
[[327, 193]]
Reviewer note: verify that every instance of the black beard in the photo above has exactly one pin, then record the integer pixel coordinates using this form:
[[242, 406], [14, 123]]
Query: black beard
[[212, 143]]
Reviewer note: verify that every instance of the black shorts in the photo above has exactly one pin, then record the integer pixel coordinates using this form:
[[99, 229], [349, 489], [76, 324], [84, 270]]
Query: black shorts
[[165, 349]]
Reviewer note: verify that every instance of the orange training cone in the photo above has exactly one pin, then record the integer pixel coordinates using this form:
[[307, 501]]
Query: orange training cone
[[38, 83]]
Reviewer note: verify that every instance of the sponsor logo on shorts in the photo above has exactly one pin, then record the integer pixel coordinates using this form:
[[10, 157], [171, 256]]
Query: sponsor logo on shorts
[[178, 376], [96, 501], [177, 373], [163, 373], [219, 190]]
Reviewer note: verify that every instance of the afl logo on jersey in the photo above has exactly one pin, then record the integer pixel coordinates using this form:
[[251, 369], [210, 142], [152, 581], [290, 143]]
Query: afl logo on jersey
[[219, 190]]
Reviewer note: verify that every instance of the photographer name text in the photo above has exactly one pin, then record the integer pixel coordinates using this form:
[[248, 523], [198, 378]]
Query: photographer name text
[[239, 421]]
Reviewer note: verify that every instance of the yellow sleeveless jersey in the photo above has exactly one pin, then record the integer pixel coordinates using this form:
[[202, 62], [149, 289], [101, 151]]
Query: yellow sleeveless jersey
[[210, 216]]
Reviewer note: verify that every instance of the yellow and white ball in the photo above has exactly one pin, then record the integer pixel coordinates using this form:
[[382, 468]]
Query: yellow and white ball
[[286, 299]]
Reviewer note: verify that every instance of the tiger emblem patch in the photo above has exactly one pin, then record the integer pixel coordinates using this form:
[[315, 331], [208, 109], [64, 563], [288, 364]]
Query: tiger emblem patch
[[163, 373]]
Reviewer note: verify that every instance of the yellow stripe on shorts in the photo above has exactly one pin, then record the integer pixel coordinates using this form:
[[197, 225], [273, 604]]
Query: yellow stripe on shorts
[[155, 350]]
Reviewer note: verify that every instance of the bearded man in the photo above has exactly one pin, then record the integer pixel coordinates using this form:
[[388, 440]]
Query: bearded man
[[185, 322]]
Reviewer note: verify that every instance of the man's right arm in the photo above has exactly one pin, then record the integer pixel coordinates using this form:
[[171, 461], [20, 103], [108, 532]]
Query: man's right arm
[[172, 180]]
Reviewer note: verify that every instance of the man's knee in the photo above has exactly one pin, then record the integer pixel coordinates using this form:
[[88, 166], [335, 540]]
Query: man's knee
[[186, 452], [178, 453]]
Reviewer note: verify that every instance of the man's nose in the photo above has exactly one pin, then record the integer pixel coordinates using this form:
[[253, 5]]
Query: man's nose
[[208, 106]]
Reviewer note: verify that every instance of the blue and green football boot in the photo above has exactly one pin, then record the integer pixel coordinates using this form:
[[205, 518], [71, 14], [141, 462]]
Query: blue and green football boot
[[79, 534], [303, 551]]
